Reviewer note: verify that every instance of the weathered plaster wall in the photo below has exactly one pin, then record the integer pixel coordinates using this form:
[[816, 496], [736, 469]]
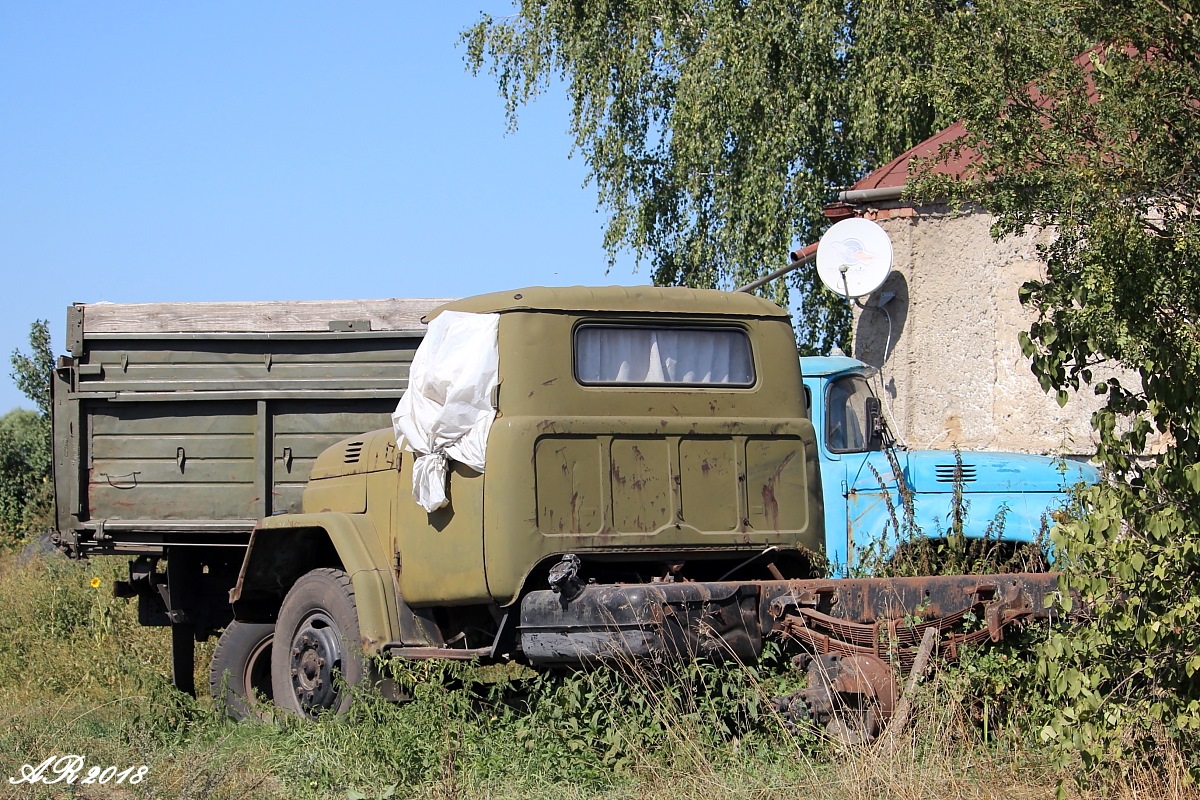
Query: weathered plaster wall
[[954, 373]]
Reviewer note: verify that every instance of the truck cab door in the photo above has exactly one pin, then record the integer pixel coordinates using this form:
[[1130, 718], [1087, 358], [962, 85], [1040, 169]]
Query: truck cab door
[[439, 555], [855, 469]]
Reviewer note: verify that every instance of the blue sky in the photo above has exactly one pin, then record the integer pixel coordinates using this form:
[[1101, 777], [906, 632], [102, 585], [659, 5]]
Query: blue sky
[[269, 150]]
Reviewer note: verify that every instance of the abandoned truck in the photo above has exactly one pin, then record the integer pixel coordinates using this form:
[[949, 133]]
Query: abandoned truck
[[865, 478], [579, 473]]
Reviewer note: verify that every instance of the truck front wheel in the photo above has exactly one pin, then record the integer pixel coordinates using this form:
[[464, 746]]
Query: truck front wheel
[[317, 656], [241, 667]]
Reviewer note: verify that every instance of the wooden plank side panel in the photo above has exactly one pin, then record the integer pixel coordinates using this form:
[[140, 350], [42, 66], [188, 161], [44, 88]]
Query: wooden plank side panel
[[184, 502], [367, 353], [172, 461], [302, 430], [248, 365], [245, 383], [177, 424], [152, 421], [273, 316]]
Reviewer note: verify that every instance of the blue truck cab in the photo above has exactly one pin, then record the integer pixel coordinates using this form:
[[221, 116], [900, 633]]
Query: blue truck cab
[[859, 480]]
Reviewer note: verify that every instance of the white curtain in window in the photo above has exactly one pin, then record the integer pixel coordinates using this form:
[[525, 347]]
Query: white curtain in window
[[644, 355]]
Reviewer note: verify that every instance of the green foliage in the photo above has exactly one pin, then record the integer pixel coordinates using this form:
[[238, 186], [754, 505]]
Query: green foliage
[[25, 444], [25, 490], [715, 130], [32, 370], [1103, 149], [82, 677], [591, 727], [1127, 677], [999, 691]]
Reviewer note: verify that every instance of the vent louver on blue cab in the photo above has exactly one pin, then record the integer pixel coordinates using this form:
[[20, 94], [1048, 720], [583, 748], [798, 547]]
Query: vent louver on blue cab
[[945, 473]]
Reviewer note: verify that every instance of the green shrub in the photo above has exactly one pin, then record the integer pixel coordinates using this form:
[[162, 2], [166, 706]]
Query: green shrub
[[25, 488], [26, 494], [1125, 677]]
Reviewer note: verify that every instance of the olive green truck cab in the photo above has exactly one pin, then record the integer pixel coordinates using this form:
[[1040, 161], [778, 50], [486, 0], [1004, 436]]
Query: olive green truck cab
[[646, 484]]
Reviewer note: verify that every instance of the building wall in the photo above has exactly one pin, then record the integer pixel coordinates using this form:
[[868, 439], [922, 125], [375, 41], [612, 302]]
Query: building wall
[[954, 374]]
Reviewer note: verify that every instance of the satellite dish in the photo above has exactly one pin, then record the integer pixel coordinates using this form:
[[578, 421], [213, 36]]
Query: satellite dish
[[854, 257]]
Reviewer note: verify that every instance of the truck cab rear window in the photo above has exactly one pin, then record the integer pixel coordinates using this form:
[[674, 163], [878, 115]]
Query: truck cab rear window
[[637, 356]]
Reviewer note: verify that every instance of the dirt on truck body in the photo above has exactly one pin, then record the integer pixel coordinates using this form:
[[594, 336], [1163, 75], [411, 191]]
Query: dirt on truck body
[[580, 474]]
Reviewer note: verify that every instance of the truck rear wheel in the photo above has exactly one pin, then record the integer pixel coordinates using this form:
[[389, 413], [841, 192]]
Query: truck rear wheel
[[317, 657], [241, 667]]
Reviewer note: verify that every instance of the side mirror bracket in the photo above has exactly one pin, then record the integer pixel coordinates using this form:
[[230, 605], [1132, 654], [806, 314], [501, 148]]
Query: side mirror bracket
[[876, 428]]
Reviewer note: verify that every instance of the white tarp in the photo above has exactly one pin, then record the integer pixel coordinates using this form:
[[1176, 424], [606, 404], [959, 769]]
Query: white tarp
[[446, 412]]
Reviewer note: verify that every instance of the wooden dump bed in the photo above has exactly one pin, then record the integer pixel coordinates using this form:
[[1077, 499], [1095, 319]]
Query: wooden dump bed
[[180, 424]]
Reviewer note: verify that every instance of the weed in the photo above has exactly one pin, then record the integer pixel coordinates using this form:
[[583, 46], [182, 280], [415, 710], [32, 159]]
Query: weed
[[904, 549], [82, 677]]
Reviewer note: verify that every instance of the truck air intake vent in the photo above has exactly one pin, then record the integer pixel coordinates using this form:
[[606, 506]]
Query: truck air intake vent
[[354, 452], [945, 473]]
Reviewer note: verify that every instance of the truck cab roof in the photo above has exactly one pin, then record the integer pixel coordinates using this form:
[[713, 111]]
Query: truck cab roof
[[832, 365], [633, 299]]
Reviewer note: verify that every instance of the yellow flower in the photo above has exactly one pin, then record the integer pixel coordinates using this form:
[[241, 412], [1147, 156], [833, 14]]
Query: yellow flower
[[96, 583]]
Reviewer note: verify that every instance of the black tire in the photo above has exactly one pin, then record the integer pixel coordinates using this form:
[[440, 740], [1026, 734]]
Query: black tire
[[318, 656], [241, 667]]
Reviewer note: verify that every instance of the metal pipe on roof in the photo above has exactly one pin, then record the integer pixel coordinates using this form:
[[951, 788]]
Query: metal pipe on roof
[[870, 195], [800, 258]]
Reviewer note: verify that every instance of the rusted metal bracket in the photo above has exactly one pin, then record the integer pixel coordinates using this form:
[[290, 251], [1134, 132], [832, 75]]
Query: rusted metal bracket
[[864, 632], [851, 697]]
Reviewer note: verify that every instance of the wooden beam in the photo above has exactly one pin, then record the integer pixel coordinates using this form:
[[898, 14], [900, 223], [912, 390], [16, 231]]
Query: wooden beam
[[257, 317]]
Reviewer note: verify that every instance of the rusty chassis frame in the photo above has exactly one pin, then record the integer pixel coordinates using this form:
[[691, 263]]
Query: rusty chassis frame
[[858, 634]]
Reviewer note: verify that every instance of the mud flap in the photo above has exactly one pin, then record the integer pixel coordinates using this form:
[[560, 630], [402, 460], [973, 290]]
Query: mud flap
[[183, 657]]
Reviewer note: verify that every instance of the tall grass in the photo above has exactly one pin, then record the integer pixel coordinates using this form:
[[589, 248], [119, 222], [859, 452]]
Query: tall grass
[[79, 676]]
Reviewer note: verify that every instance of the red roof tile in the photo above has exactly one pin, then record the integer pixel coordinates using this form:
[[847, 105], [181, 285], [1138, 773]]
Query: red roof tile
[[895, 172]]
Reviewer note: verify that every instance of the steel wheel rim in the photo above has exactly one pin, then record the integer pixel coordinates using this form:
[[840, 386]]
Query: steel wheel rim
[[315, 660], [256, 677]]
